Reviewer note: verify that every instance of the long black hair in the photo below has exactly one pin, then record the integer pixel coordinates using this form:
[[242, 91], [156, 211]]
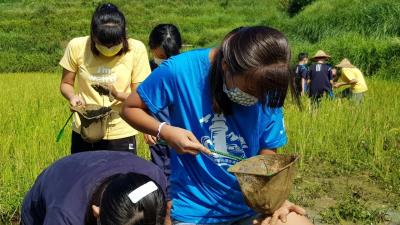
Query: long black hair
[[116, 208], [167, 37], [262, 55], [108, 27]]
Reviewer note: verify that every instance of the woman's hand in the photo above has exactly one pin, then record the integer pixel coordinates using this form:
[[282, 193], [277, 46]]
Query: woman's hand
[[76, 100], [281, 214], [149, 139], [183, 141], [336, 85]]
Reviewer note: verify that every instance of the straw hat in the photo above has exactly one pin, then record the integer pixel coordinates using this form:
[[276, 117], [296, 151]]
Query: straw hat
[[345, 63], [321, 54]]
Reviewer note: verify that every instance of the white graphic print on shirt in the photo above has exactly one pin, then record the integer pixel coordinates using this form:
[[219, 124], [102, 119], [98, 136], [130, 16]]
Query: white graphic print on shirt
[[222, 139]]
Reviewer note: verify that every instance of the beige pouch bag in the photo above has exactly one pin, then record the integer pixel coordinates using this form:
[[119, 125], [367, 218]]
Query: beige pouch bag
[[94, 120]]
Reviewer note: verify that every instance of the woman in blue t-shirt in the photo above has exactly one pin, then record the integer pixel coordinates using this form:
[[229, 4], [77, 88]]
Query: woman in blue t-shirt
[[226, 99]]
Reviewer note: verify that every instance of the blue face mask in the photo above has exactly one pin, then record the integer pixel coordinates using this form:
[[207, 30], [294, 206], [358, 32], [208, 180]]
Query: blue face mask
[[240, 97]]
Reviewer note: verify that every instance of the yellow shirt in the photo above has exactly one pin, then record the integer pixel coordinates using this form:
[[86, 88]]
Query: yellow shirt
[[121, 71], [354, 73]]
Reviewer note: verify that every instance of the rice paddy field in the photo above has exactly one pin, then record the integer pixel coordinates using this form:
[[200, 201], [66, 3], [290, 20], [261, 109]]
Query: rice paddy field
[[349, 171]]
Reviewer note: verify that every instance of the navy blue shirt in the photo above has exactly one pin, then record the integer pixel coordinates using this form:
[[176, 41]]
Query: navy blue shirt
[[320, 76], [62, 192], [301, 71]]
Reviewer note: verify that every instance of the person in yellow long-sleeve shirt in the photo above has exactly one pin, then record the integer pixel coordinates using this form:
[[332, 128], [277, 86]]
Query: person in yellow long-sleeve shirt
[[351, 75]]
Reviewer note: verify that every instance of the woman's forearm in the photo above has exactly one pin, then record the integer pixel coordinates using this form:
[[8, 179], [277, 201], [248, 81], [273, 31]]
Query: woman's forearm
[[140, 120], [134, 112], [67, 84], [67, 90]]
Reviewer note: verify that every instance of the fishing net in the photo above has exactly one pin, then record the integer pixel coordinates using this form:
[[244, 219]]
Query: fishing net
[[266, 180], [93, 121]]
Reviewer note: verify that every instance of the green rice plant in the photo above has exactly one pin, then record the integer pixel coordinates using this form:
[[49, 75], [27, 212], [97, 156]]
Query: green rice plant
[[352, 137], [338, 140], [32, 113]]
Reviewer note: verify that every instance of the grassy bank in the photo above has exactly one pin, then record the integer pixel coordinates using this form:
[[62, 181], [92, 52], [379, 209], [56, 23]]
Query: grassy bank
[[364, 31], [349, 153]]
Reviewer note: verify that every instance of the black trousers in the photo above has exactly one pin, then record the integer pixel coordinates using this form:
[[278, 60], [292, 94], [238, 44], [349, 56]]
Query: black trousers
[[123, 144]]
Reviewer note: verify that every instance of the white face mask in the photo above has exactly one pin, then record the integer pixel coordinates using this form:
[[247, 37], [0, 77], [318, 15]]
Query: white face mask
[[158, 61], [240, 97]]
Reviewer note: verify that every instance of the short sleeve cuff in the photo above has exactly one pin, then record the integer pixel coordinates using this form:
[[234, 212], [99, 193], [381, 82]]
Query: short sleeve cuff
[[276, 144], [154, 109], [67, 67]]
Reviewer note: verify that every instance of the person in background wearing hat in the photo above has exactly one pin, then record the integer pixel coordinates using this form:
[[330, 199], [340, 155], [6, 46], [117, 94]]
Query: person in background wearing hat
[[351, 75], [97, 187], [109, 58], [301, 74], [319, 77]]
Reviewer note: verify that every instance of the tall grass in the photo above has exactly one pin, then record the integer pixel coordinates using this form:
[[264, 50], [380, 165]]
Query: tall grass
[[30, 41], [354, 138], [324, 19], [364, 31], [31, 115], [350, 140]]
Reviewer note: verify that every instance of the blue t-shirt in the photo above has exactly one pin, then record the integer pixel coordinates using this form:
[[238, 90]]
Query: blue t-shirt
[[201, 188], [62, 192]]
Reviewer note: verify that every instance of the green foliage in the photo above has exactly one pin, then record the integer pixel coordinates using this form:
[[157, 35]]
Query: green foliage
[[352, 207], [33, 34], [325, 19], [337, 141], [32, 114], [294, 6], [350, 138]]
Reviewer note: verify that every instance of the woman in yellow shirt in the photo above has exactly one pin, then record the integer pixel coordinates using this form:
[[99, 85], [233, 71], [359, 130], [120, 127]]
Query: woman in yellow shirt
[[109, 59], [351, 75]]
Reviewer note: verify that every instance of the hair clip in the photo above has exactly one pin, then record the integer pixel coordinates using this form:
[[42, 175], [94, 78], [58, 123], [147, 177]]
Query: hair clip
[[142, 191]]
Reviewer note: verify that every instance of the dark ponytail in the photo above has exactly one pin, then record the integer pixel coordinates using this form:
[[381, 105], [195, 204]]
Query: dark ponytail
[[167, 37]]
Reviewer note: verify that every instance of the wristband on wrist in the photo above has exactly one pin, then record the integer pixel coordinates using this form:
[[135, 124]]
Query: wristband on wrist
[[159, 130]]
